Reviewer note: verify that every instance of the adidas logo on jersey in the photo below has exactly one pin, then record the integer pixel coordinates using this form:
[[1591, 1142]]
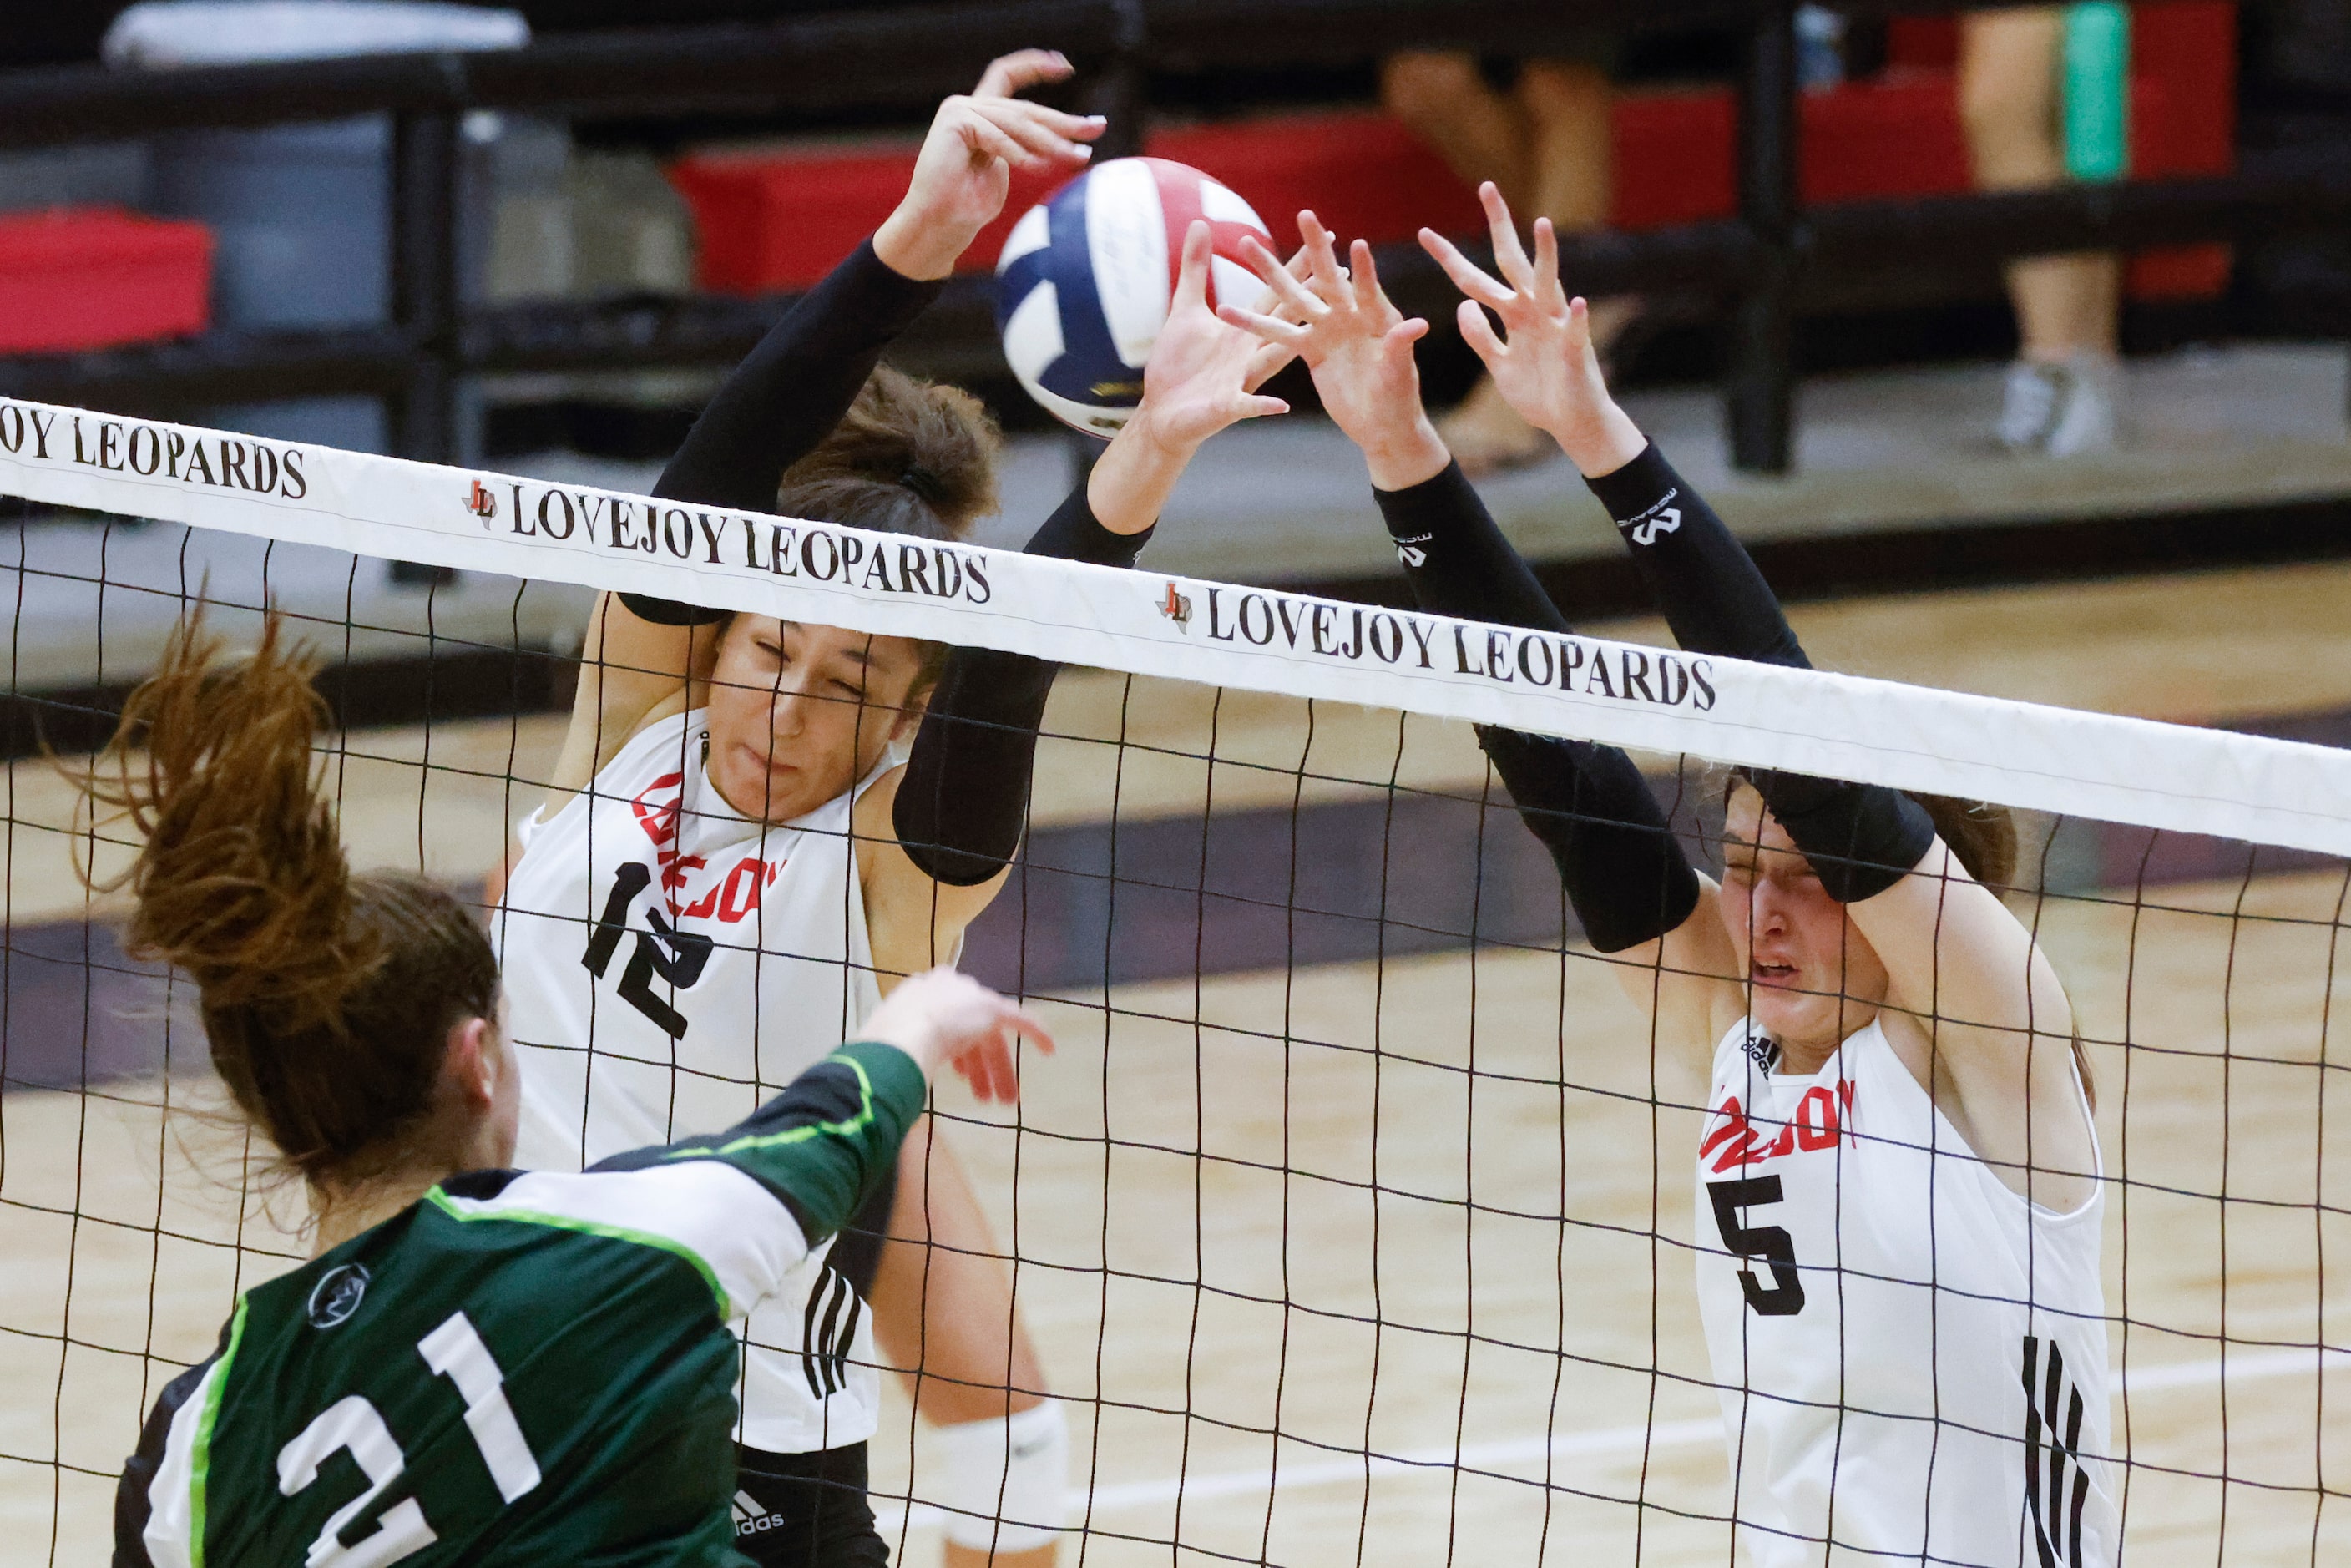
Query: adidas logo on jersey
[[2056, 1484], [830, 1334]]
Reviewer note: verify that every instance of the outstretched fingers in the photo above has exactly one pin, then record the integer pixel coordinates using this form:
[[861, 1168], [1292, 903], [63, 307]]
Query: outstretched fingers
[[989, 140], [1550, 298], [1025, 1025], [990, 1062], [1051, 135], [1264, 362], [1510, 256], [1478, 333], [1283, 280], [1330, 277], [1192, 278], [1363, 277], [1467, 275], [1009, 74], [1287, 335], [1008, 112], [1404, 335]]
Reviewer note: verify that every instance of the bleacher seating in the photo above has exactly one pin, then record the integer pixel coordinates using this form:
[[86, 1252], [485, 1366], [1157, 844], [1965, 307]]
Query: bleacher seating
[[776, 220], [92, 277]]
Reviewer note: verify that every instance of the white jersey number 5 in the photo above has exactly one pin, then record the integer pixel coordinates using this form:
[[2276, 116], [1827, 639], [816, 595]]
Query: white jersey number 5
[[453, 1351]]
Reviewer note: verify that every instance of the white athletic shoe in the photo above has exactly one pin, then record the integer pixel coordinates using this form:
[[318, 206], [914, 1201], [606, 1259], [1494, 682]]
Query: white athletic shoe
[[2028, 405], [2089, 416], [2063, 408]]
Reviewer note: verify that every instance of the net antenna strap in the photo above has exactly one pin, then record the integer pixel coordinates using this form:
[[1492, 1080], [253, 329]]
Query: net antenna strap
[[2121, 770]]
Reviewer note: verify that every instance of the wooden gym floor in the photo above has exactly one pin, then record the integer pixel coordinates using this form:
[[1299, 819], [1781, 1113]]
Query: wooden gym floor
[[1432, 1208]]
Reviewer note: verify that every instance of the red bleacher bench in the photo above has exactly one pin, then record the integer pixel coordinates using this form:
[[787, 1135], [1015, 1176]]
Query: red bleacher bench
[[92, 278], [778, 220]]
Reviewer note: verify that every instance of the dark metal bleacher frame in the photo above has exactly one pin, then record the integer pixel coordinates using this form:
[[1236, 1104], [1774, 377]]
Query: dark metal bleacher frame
[[909, 55]]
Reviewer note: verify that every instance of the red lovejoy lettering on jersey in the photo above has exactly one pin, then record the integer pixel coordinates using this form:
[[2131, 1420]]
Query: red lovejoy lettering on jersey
[[730, 897], [1817, 1124], [658, 817]]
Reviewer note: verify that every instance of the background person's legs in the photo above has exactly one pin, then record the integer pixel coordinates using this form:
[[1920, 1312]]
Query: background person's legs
[[2063, 391], [1445, 99], [944, 1315], [1549, 144]]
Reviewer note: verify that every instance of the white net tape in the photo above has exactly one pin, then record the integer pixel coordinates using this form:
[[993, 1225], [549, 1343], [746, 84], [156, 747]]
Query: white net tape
[[2020, 754]]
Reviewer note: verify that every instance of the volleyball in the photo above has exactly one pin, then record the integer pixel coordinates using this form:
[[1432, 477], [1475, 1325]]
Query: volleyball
[[1086, 276]]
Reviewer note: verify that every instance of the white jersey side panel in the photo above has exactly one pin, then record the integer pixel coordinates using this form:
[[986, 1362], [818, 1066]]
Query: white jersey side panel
[[670, 963], [1912, 1360]]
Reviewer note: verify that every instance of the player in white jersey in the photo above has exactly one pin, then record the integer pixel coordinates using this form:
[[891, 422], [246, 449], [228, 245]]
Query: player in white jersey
[[757, 827], [1899, 1197]]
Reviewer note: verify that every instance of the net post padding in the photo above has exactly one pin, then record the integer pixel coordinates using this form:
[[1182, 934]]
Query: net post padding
[[2122, 769]]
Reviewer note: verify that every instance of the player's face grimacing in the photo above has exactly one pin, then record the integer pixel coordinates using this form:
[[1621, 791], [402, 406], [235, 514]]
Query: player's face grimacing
[[799, 713], [1811, 979]]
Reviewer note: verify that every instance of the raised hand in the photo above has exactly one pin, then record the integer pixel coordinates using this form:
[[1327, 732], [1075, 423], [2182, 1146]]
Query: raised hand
[[965, 167], [1198, 382], [943, 1018], [1543, 366], [1358, 347]]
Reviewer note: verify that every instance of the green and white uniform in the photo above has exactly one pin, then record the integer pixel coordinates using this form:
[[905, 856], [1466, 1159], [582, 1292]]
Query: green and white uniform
[[519, 1368]]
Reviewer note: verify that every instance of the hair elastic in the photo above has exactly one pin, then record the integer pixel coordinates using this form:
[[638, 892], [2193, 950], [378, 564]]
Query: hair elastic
[[924, 483]]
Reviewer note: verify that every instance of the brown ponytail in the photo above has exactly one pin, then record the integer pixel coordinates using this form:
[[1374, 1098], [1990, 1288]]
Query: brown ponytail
[[327, 998], [1980, 834], [909, 457]]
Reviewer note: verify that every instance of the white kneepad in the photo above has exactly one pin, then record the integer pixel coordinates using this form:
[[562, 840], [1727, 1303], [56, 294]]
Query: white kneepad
[[1007, 1484]]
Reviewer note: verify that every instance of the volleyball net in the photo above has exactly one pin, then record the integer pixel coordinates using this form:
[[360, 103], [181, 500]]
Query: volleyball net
[[1354, 1221]]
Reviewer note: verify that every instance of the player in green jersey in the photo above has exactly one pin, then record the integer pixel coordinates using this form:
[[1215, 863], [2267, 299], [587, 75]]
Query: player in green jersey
[[478, 1365]]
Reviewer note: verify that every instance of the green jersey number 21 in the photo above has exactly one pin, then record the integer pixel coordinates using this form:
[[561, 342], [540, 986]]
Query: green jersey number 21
[[353, 1425]]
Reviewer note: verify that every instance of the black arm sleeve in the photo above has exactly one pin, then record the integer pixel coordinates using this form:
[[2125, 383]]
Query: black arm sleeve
[[1695, 568], [1861, 838], [787, 395], [964, 798], [1617, 856]]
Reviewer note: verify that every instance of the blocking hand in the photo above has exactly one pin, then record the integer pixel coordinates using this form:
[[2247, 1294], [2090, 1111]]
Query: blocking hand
[[1198, 378], [1544, 365], [965, 168], [1356, 344]]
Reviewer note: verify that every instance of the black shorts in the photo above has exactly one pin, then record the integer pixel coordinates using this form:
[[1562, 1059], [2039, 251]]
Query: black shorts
[[857, 1250], [806, 1510]]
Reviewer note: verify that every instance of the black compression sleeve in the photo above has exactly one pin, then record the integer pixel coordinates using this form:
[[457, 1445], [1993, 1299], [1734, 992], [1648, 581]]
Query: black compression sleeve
[[1624, 870], [1861, 838], [964, 798], [1456, 559], [786, 397], [789, 392], [668, 612], [1696, 571], [1617, 856]]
